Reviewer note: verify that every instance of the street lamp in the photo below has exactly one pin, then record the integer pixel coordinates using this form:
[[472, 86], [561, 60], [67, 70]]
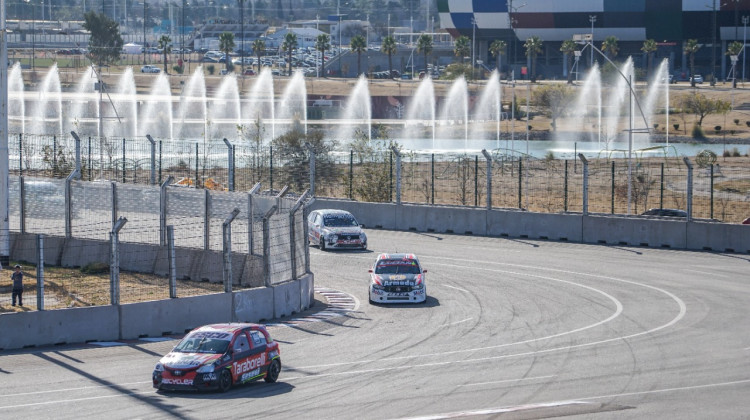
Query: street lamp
[[33, 31], [744, 42], [592, 19], [578, 57]]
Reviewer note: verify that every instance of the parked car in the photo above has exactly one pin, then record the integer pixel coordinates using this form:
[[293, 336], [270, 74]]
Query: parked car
[[397, 278], [329, 229], [665, 212], [219, 356], [697, 78], [148, 68]]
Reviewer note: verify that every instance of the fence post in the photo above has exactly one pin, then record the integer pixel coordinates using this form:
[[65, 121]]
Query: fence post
[[585, 184], [488, 157], [196, 164], [78, 150], [163, 210], [661, 188], [270, 166], [565, 188], [712, 192], [114, 202], [206, 220], [432, 178], [153, 158], [230, 164], [312, 167], [267, 245], [612, 192], [114, 261], [351, 174], [172, 262], [20, 154], [22, 203], [250, 220], [69, 204], [160, 142], [305, 228], [123, 161], [90, 164], [398, 173], [292, 232], [520, 182], [689, 188], [40, 272], [476, 180], [226, 236]]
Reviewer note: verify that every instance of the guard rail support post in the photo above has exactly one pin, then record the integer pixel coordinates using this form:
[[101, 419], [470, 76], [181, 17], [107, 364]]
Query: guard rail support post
[[305, 227], [250, 214], [230, 164], [153, 158], [22, 203], [488, 157], [226, 236], [292, 231], [78, 150], [40, 272], [689, 189], [163, 210], [267, 245], [69, 204], [114, 261], [311, 149], [113, 188], [206, 220], [172, 262], [585, 184], [398, 173]]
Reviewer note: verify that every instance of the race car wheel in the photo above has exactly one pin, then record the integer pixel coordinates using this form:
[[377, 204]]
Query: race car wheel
[[322, 244], [273, 371], [225, 380]]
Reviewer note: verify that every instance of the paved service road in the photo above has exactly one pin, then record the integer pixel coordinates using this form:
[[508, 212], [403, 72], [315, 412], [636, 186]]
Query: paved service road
[[512, 328]]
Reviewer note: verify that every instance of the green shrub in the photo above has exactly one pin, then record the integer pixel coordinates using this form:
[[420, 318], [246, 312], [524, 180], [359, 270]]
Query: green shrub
[[95, 268], [698, 132]]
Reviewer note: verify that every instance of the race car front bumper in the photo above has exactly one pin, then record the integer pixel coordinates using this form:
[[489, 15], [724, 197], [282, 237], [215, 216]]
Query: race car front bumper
[[383, 296], [190, 382]]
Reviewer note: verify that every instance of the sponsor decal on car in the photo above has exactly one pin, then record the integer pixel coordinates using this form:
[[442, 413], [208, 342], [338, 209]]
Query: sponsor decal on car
[[167, 381], [250, 375], [249, 364], [219, 335]]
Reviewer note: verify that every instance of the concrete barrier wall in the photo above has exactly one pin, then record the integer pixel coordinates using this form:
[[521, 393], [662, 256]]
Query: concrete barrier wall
[[574, 227], [287, 299], [73, 325], [173, 316], [254, 305]]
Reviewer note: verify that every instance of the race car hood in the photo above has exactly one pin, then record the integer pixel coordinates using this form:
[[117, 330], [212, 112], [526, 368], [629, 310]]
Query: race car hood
[[344, 230], [177, 360], [398, 279]]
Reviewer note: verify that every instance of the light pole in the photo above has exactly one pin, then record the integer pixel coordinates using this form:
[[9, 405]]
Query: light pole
[[182, 34], [577, 54], [473, 37], [744, 42], [242, 34], [592, 19], [144, 32], [33, 31]]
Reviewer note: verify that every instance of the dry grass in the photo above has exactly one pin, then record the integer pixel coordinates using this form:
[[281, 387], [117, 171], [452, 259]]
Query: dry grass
[[70, 287]]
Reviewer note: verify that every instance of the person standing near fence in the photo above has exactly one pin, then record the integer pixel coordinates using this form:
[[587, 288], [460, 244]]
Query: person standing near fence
[[17, 278]]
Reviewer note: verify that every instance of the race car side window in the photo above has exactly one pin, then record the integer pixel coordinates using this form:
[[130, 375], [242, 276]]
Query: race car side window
[[258, 338], [241, 344]]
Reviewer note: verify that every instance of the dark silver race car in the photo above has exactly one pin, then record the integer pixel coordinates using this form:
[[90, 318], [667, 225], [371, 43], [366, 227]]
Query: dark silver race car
[[334, 229]]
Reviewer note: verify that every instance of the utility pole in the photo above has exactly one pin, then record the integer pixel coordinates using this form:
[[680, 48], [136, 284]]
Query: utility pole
[[713, 45], [473, 37], [144, 32], [4, 163], [592, 19], [744, 42], [182, 35], [242, 34]]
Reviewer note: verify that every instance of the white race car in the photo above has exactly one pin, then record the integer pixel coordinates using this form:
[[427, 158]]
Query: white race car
[[397, 278], [335, 229]]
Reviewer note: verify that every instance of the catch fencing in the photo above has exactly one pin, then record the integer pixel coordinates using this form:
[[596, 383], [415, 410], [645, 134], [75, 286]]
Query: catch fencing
[[174, 241], [720, 187]]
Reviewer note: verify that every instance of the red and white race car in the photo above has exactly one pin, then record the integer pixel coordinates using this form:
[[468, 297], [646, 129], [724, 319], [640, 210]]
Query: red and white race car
[[219, 356], [397, 278]]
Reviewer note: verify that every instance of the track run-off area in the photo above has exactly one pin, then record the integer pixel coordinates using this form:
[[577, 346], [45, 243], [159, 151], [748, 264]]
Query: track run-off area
[[512, 328]]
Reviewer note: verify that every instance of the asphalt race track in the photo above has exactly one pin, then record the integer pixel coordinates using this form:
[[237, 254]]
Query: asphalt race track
[[512, 328]]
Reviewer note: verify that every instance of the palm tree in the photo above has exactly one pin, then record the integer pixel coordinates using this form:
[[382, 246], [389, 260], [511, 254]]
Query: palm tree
[[424, 45], [734, 49], [322, 44], [389, 47], [609, 46], [461, 47], [497, 49], [649, 47], [165, 45], [533, 47], [288, 46], [690, 48], [569, 48], [259, 47], [358, 44], [226, 45]]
